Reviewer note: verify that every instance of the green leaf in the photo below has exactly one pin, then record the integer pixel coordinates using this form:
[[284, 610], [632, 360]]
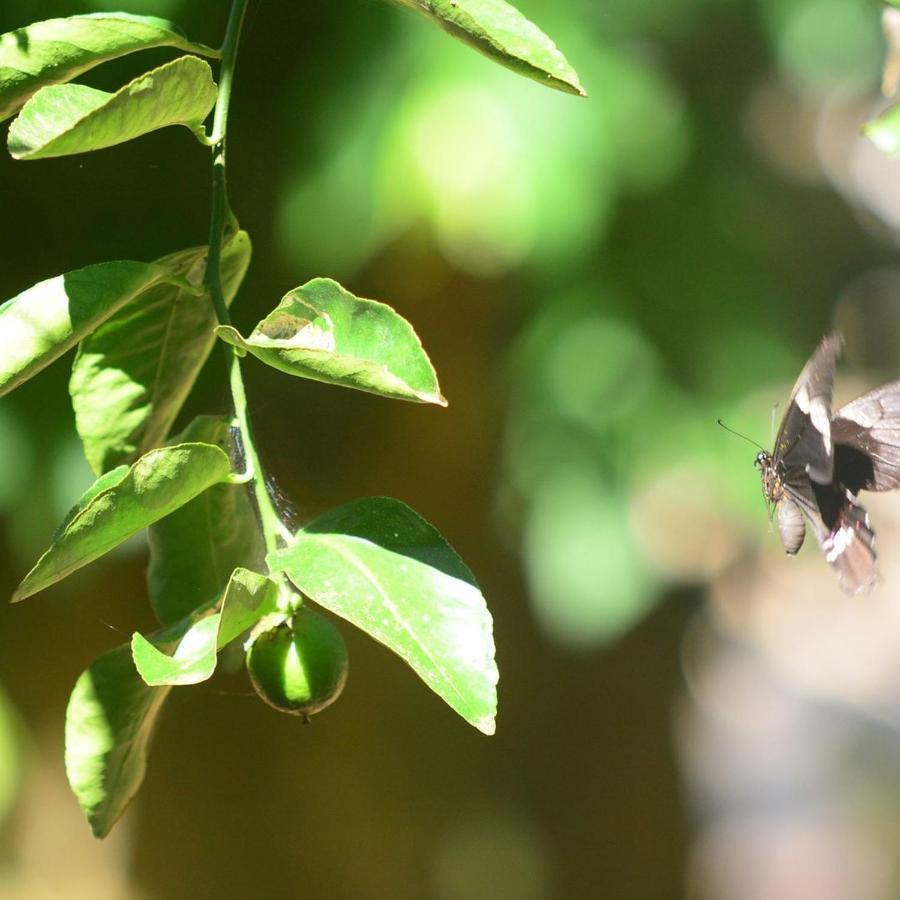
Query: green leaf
[[884, 131], [109, 724], [107, 480], [323, 332], [247, 599], [192, 661], [382, 567], [43, 322], [132, 374], [501, 32], [194, 551], [58, 50], [72, 118], [156, 485], [112, 711]]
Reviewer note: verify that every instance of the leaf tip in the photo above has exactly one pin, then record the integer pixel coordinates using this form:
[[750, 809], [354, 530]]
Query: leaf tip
[[486, 725], [137, 647], [569, 82], [22, 592], [230, 335], [100, 828], [16, 148]]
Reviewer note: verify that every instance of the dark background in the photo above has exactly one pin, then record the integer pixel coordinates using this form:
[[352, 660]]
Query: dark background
[[596, 281]]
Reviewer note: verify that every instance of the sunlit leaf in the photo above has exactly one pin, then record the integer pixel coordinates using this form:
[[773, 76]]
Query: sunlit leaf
[[132, 374], [884, 131], [72, 118], [247, 599], [194, 551], [502, 33], [323, 332], [156, 485], [43, 322], [382, 567], [106, 480], [58, 50], [109, 723]]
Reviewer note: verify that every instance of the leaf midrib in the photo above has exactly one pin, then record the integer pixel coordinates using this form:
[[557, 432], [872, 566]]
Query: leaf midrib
[[358, 564]]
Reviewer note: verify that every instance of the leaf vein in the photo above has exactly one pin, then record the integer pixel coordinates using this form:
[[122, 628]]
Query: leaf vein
[[392, 607]]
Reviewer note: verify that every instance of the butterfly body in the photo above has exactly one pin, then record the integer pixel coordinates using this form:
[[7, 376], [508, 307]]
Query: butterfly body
[[821, 462], [791, 526]]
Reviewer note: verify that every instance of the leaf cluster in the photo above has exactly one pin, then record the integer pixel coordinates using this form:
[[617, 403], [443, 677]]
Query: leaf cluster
[[142, 331]]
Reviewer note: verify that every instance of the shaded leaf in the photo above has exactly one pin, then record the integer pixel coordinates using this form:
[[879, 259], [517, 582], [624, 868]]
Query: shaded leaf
[[194, 551], [501, 32], [382, 567], [109, 724], [246, 600], [72, 118], [156, 485], [323, 332], [58, 50], [112, 711], [132, 374], [43, 322]]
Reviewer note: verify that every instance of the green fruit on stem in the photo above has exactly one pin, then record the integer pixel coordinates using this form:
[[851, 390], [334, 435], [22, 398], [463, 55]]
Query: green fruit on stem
[[300, 665]]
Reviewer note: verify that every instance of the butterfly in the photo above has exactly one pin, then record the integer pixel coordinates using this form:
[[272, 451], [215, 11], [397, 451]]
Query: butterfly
[[821, 461]]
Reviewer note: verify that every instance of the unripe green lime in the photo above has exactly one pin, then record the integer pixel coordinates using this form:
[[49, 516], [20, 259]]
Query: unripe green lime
[[300, 665]]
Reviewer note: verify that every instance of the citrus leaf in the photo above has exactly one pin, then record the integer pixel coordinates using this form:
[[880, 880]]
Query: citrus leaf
[[58, 50], [133, 373], [194, 551], [109, 724], [501, 32], [112, 711], [884, 131], [43, 322], [247, 598], [323, 332], [72, 118], [192, 661], [156, 485], [382, 567], [107, 480]]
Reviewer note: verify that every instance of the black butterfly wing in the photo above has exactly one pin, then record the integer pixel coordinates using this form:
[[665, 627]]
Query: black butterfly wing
[[850, 548], [866, 435], [803, 443], [841, 527], [813, 454]]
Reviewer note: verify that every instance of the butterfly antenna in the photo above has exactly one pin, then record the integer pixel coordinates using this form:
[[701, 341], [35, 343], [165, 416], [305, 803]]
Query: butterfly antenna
[[744, 436], [772, 426]]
